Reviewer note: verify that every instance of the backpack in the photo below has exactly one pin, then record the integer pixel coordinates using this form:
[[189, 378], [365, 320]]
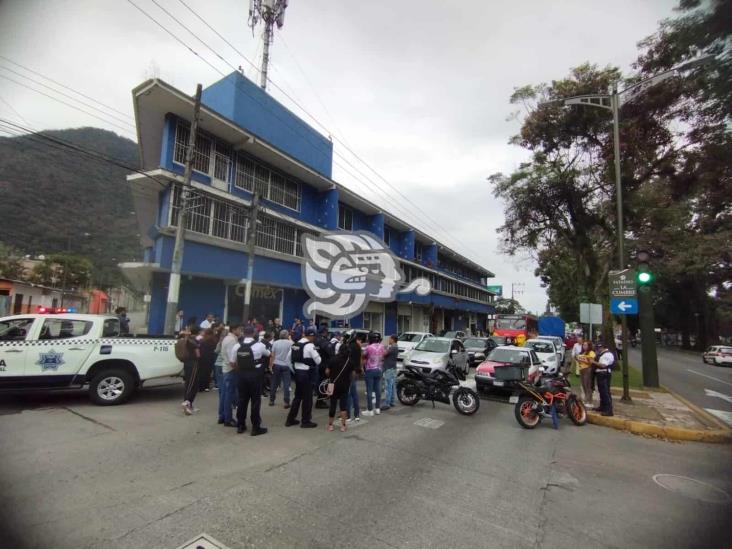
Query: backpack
[[181, 349]]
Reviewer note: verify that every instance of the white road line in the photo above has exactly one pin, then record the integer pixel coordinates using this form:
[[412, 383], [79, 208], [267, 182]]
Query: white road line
[[711, 393], [721, 414], [710, 377]]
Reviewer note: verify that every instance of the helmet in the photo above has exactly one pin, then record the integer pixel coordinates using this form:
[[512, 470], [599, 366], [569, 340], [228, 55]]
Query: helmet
[[551, 368]]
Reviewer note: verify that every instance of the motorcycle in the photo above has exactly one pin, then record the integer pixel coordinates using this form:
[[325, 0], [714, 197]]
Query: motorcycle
[[414, 385], [547, 396]]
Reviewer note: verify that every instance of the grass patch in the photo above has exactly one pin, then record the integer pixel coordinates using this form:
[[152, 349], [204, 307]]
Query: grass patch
[[635, 378]]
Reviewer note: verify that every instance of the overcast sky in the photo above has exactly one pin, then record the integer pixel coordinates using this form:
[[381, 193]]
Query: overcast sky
[[417, 88]]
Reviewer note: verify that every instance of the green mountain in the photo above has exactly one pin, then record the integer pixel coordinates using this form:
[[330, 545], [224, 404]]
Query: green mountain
[[51, 196]]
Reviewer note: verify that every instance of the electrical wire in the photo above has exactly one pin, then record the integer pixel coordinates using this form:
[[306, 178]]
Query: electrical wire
[[335, 138]]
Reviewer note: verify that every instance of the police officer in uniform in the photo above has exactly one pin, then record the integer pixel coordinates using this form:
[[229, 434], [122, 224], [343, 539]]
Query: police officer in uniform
[[305, 360], [248, 358], [322, 345], [603, 372]]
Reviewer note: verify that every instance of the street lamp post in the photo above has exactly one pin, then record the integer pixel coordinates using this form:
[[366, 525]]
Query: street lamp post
[[612, 102]]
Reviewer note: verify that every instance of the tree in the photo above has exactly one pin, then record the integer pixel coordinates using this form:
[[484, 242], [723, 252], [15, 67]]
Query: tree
[[508, 306], [11, 262], [65, 270]]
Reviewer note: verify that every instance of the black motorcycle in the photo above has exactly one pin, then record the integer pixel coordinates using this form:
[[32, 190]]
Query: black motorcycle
[[414, 385]]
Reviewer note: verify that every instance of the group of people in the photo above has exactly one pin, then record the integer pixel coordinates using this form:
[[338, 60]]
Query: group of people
[[594, 369], [246, 360]]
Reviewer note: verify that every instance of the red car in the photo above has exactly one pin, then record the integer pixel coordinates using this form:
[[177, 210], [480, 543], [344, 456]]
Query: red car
[[503, 356]]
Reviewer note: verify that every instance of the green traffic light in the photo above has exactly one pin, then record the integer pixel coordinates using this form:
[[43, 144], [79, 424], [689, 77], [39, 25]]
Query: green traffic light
[[644, 278]]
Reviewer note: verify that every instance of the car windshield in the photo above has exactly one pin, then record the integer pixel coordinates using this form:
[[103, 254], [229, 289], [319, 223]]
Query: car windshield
[[474, 342], [540, 346], [511, 323], [514, 356], [411, 338], [434, 346]]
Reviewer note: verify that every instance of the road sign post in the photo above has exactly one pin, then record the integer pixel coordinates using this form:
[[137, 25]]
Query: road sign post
[[624, 302]]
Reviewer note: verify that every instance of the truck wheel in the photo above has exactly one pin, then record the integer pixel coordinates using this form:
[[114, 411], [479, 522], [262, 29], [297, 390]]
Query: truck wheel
[[110, 387]]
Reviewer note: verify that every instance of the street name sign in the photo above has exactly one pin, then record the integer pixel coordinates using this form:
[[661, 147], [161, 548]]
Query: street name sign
[[590, 313], [623, 292]]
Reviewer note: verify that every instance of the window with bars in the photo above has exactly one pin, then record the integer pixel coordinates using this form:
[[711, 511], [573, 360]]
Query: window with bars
[[387, 236], [345, 218], [215, 158], [418, 251], [221, 219], [445, 285]]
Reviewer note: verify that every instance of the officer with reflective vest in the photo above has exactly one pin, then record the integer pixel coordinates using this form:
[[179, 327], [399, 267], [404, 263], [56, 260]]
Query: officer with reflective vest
[[247, 358], [305, 361], [603, 372]]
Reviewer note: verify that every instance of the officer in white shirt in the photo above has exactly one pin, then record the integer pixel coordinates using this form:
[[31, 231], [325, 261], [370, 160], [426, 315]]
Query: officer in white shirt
[[248, 359], [304, 359], [206, 322], [603, 372]]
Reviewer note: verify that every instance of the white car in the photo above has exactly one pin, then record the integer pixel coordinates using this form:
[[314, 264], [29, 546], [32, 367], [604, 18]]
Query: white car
[[46, 352], [559, 344], [435, 353], [408, 341], [718, 355], [547, 353]]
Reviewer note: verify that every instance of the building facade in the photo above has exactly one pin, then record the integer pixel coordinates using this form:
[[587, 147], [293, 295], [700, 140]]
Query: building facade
[[249, 142]]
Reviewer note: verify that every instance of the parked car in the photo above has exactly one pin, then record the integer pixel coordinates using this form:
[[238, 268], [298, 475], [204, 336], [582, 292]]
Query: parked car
[[559, 345], [408, 341], [718, 355], [434, 353], [455, 334], [503, 356], [547, 352], [478, 348], [43, 352]]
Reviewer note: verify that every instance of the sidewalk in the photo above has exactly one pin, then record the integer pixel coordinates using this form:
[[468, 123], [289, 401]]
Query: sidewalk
[[663, 415]]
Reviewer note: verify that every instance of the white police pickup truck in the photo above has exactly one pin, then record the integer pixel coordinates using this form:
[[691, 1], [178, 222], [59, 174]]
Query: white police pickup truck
[[61, 351]]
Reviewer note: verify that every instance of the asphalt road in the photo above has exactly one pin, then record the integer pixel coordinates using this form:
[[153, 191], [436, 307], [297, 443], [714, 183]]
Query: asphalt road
[[705, 385], [143, 475]]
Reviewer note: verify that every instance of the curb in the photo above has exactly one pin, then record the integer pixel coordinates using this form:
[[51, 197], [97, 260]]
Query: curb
[[700, 412], [723, 436]]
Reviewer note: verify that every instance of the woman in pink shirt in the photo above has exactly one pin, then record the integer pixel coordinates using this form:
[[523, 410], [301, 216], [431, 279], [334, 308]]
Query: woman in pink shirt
[[374, 354]]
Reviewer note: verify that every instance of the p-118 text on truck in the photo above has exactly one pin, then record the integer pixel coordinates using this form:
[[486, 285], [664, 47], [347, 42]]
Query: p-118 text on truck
[[45, 352]]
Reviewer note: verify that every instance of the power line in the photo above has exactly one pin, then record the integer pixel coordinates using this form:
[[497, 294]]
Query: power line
[[70, 97], [64, 86], [64, 103], [409, 213], [78, 149], [20, 116], [312, 117]]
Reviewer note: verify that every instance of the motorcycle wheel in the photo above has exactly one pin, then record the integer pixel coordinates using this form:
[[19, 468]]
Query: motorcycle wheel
[[525, 413], [576, 410], [408, 393], [466, 401]]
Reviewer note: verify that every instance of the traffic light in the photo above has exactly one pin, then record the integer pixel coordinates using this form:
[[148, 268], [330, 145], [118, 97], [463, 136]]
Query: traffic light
[[643, 276]]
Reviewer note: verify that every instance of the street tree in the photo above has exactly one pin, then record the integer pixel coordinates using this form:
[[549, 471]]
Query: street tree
[[63, 269]]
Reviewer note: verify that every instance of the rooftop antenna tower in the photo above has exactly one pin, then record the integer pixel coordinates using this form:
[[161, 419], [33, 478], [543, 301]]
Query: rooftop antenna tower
[[269, 13]]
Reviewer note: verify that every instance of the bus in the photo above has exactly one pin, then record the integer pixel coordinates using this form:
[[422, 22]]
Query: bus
[[520, 327]]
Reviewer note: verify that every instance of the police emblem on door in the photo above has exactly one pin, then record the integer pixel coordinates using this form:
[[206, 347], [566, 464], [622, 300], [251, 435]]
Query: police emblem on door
[[50, 360]]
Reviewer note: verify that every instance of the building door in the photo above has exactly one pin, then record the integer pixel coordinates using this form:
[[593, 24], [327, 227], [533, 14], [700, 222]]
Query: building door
[[18, 304]]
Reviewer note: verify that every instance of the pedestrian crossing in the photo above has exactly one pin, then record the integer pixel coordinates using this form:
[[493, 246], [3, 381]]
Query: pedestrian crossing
[[721, 414]]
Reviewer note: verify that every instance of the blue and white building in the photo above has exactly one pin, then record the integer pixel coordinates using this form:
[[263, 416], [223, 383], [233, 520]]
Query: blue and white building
[[246, 141]]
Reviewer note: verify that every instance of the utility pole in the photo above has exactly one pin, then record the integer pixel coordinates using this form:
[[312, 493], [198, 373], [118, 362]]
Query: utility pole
[[251, 245], [171, 307], [269, 12]]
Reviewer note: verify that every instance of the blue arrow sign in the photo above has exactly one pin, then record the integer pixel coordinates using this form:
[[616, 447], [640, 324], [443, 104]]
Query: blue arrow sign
[[624, 306]]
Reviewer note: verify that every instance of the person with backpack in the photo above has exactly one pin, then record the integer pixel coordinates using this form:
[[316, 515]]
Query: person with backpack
[[248, 357], [603, 372], [304, 359], [322, 345], [188, 351]]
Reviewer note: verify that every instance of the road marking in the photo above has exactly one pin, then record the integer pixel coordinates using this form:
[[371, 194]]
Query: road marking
[[429, 423], [721, 414], [711, 393], [710, 377]]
